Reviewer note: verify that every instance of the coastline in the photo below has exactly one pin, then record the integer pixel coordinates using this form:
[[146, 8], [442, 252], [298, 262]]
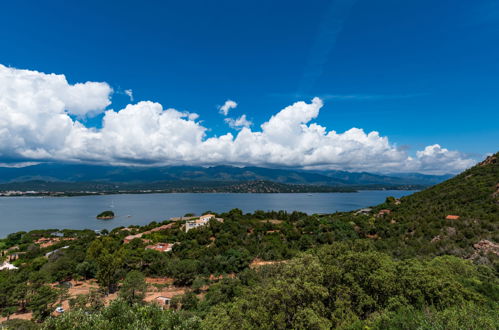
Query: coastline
[[299, 190]]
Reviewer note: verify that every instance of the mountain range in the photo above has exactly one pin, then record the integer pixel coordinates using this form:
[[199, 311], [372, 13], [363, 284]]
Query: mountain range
[[54, 172]]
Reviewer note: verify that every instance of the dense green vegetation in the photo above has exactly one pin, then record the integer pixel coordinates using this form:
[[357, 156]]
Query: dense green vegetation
[[352, 285], [403, 269], [105, 215], [421, 218]]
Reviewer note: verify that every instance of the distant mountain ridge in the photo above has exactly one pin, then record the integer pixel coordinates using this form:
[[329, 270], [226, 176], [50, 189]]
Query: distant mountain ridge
[[97, 173]]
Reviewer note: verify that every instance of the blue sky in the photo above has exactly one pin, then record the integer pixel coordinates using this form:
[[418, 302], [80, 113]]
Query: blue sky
[[419, 72]]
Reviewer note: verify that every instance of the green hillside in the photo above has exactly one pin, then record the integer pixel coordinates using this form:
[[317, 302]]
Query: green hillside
[[398, 265], [417, 225]]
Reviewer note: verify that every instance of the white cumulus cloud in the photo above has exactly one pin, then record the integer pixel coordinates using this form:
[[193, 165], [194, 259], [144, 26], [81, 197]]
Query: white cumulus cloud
[[239, 122], [129, 92], [434, 157], [224, 109], [36, 125], [35, 108]]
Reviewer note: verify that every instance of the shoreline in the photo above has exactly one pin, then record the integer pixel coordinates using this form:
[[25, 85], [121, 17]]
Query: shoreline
[[107, 193]]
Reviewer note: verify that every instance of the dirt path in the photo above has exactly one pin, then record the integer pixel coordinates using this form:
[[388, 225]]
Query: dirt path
[[258, 263], [20, 316]]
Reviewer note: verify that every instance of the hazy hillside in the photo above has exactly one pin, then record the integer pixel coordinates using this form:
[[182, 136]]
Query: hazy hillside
[[394, 179], [91, 173]]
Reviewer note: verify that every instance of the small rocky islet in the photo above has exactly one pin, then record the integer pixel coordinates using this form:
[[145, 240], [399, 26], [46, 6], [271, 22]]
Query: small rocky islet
[[105, 215]]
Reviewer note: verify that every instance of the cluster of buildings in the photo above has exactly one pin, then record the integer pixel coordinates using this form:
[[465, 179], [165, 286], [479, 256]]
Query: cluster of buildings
[[13, 193], [191, 223], [368, 210], [57, 237], [17, 193]]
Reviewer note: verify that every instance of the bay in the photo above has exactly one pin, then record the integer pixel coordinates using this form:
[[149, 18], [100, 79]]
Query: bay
[[28, 213]]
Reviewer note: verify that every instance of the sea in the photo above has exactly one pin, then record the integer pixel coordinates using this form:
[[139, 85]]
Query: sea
[[28, 213]]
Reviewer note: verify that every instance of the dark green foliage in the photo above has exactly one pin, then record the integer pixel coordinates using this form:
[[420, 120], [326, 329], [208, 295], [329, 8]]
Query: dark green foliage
[[107, 256], [189, 301], [134, 287], [198, 284], [119, 315], [344, 284], [19, 325], [42, 301], [91, 302], [105, 215], [85, 269], [466, 316]]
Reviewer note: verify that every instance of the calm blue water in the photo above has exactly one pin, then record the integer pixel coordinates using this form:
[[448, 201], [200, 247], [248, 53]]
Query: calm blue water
[[27, 213]]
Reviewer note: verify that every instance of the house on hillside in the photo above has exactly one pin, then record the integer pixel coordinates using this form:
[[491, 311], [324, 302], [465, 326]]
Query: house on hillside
[[207, 217], [195, 224], [366, 210], [163, 301], [8, 266], [202, 221], [384, 212]]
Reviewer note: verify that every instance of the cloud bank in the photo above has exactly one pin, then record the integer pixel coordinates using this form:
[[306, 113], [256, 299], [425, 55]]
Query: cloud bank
[[39, 121]]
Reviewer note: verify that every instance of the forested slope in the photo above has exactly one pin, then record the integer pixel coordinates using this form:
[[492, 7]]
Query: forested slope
[[418, 224]]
